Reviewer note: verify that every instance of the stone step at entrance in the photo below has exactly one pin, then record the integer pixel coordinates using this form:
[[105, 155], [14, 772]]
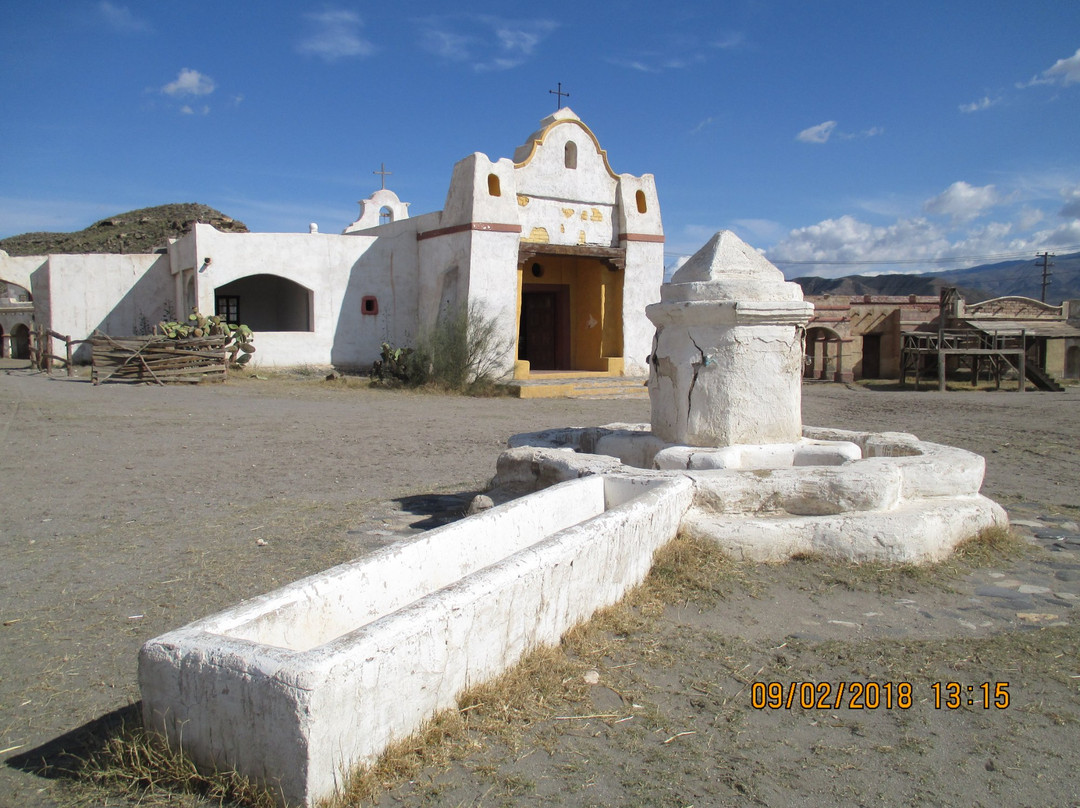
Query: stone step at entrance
[[564, 385]]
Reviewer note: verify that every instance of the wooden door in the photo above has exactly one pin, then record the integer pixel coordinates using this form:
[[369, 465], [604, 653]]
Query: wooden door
[[871, 356], [543, 335]]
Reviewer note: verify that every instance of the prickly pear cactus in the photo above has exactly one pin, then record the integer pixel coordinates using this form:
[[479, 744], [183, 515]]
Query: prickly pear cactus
[[238, 337], [394, 366]]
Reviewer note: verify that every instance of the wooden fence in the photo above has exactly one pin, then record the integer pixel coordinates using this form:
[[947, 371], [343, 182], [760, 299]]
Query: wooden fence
[[41, 355], [158, 359]]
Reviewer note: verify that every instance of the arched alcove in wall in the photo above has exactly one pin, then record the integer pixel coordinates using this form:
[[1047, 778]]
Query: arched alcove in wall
[[1072, 362], [20, 342], [266, 303]]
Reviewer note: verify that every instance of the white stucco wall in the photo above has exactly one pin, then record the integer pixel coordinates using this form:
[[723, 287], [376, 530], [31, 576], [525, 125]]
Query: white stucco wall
[[321, 263], [571, 206], [119, 295], [17, 269]]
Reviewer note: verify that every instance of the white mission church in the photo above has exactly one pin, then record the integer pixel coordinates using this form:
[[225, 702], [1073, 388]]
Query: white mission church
[[563, 252]]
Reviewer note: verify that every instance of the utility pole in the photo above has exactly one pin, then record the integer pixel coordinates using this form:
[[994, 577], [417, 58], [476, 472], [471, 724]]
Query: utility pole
[[1046, 273]]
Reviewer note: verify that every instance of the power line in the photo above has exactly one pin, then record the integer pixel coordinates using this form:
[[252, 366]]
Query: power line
[[894, 261], [874, 262]]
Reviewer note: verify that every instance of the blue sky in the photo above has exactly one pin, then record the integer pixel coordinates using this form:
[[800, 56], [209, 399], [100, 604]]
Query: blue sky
[[838, 137]]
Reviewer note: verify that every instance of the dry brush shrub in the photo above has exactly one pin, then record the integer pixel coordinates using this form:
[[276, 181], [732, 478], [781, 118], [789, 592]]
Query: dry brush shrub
[[463, 352]]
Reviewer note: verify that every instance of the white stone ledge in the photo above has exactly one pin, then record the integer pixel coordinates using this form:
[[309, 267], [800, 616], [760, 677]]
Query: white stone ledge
[[915, 532], [799, 492]]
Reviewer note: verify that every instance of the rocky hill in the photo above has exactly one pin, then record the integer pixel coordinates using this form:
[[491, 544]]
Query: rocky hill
[[137, 231]]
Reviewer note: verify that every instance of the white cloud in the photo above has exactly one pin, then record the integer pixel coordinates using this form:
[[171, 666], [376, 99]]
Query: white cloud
[[187, 109], [448, 44], [635, 64], [488, 42], [1063, 71], [823, 131], [190, 82], [757, 230], [333, 35], [817, 134], [729, 41], [1029, 217], [121, 19], [902, 242], [1065, 235], [962, 201], [873, 131], [701, 126], [682, 52], [1071, 209], [849, 240], [976, 106], [846, 246]]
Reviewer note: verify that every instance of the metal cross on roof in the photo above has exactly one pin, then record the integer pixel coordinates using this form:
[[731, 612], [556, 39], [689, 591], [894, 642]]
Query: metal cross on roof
[[559, 94], [382, 170]]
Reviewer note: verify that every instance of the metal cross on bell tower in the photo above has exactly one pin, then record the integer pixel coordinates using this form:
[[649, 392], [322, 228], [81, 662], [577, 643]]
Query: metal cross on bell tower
[[382, 170], [559, 95]]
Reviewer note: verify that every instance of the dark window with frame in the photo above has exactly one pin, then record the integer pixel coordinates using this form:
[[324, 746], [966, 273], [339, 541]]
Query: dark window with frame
[[228, 307]]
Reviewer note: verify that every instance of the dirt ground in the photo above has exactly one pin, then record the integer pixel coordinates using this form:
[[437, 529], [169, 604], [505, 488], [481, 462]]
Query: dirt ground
[[127, 511]]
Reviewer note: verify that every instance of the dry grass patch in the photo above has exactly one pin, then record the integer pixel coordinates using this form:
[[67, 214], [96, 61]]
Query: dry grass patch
[[989, 547], [143, 767], [544, 683]]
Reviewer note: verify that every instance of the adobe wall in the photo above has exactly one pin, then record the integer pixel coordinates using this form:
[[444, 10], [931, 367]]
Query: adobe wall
[[119, 295]]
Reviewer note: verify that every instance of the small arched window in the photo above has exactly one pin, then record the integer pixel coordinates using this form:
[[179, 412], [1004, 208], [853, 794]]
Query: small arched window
[[386, 215], [493, 185], [570, 154], [642, 207]]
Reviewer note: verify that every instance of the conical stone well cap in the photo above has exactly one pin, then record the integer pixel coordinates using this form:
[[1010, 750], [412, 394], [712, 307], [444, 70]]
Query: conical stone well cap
[[727, 268]]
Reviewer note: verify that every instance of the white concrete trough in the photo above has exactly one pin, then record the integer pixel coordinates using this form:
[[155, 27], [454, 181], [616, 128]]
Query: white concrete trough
[[295, 687]]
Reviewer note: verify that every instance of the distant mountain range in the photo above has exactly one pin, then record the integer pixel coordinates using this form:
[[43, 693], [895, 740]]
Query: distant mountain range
[[1022, 277]]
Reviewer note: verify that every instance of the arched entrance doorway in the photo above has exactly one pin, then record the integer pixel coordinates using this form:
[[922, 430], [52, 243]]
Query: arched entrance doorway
[[825, 355], [570, 308], [20, 342]]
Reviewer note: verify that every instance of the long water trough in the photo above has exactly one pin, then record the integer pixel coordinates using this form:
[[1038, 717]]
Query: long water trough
[[295, 687]]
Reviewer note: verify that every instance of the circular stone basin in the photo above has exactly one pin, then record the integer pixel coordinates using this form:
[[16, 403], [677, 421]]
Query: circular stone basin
[[855, 495]]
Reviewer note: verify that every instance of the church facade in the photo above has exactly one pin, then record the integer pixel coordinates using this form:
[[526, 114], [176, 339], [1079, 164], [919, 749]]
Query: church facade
[[562, 252]]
